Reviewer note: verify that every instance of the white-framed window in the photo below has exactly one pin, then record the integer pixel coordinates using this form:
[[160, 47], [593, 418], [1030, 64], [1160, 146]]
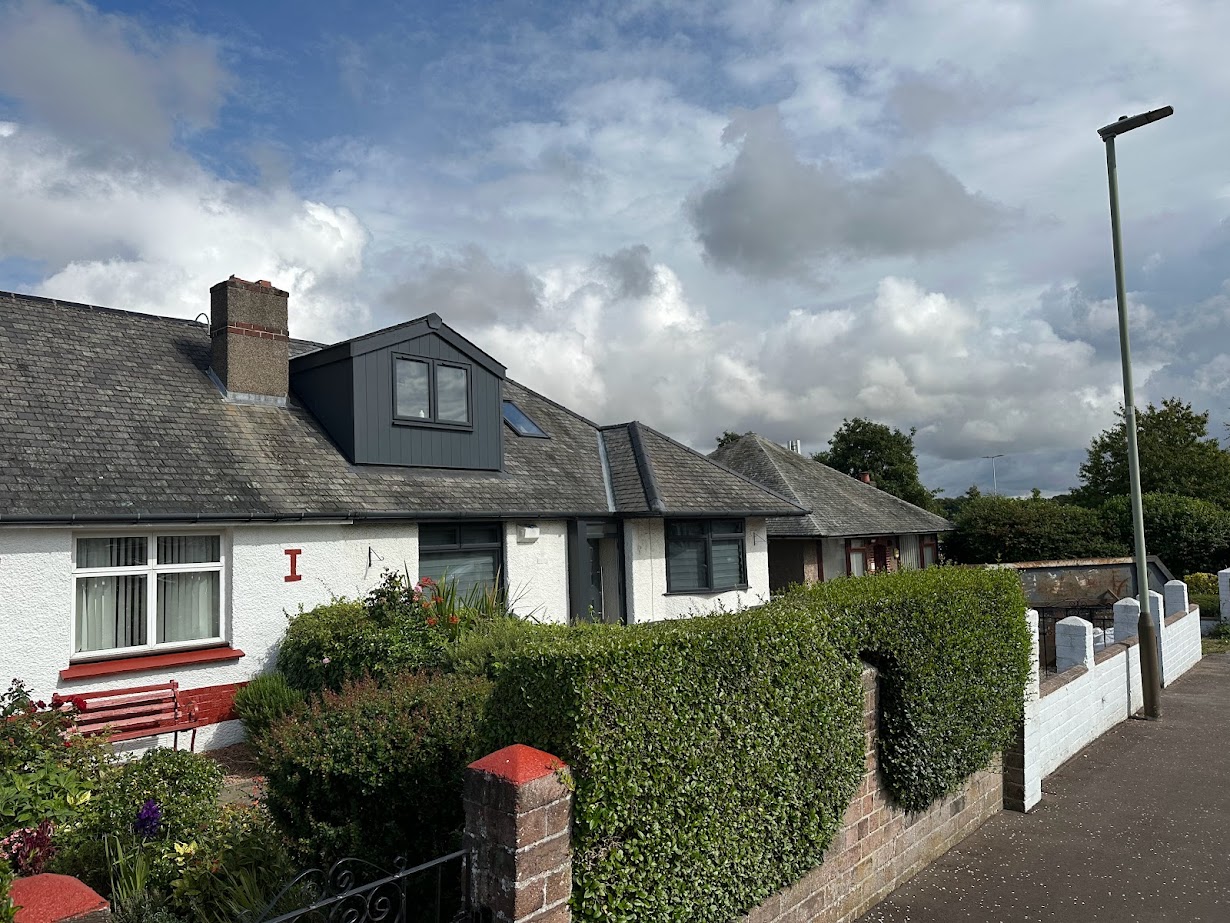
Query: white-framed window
[[134, 594]]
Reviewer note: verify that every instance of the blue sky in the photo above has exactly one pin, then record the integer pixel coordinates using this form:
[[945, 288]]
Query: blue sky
[[707, 215]]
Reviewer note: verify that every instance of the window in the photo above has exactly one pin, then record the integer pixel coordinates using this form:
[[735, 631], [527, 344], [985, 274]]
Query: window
[[431, 391], [467, 555], [930, 547], [135, 593], [705, 554], [520, 422], [856, 557]]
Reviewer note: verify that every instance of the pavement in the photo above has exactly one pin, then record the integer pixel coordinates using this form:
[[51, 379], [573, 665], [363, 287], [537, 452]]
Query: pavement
[[1135, 827]]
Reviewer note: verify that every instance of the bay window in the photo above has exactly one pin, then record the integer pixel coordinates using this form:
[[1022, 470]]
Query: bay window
[[139, 593], [705, 555]]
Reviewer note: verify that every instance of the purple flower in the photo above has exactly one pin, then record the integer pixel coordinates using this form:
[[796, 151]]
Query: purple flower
[[149, 820]]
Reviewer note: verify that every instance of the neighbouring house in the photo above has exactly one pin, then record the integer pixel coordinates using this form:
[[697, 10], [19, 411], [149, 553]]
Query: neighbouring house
[[853, 528], [170, 489]]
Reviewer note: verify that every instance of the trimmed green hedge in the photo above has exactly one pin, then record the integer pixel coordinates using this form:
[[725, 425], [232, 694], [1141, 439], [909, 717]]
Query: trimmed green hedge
[[375, 771], [713, 757], [954, 654]]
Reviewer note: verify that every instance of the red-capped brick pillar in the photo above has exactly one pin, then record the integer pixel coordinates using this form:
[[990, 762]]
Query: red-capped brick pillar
[[518, 805], [57, 899]]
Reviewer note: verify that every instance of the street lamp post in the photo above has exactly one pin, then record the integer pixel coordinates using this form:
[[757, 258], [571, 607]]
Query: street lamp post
[[1150, 679], [994, 479]]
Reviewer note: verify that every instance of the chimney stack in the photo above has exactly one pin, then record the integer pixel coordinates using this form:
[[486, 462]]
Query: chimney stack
[[249, 341], [865, 477], [796, 446]]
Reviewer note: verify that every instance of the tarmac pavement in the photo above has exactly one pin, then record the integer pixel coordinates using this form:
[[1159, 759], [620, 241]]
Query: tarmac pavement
[[1135, 827]]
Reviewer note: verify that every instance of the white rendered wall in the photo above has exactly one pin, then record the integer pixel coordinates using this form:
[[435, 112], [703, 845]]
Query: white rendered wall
[[537, 571], [645, 563], [36, 596]]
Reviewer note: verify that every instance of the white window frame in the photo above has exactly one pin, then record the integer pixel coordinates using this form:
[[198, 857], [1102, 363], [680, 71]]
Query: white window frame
[[151, 569]]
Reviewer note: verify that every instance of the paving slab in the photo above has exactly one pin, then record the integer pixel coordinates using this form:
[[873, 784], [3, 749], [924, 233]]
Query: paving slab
[[1135, 827]]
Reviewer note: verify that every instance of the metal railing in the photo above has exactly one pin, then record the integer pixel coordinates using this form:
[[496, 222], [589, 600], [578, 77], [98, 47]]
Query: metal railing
[[356, 891], [1101, 617]]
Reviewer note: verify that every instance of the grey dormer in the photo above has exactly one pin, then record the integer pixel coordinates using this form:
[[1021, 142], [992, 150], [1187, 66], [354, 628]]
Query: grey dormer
[[417, 394]]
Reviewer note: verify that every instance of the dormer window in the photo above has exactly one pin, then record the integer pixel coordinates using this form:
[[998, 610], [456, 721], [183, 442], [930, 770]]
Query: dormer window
[[431, 391]]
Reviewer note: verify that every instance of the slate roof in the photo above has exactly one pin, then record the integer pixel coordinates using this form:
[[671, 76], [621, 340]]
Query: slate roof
[[109, 416], [840, 505]]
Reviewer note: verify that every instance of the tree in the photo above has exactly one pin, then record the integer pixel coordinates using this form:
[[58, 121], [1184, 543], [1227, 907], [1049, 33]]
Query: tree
[[993, 529], [1177, 456], [727, 438], [888, 454], [1190, 536]]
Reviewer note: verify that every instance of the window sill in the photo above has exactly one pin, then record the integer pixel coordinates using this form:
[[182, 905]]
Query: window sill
[[742, 588], [95, 668], [434, 424]]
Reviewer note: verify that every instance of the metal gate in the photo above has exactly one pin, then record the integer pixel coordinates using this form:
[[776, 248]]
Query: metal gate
[[355, 891], [1102, 617]]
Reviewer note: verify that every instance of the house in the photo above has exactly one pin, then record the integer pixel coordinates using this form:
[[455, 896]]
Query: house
[[852, 528], [170, 489]]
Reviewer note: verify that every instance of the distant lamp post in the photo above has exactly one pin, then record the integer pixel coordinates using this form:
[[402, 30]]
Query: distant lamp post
[[994, 479], [1148, 635]]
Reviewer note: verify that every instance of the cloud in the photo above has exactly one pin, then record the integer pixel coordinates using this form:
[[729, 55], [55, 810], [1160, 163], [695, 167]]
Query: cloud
[[103, 80], [465, 288], [139, 239], [771, 214]]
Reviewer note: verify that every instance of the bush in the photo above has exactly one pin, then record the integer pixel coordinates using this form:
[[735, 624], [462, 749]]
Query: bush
[[482, 651], [375, 771], [713, 757], [8, 912], [954, 652], [141, 806], [1201, 583], [988, 530], [1188, 535], [265, 699]]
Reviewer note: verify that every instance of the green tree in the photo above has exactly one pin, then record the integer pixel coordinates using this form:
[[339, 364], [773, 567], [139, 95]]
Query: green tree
[[887, 453], [1177, 456], [1190, 536], [727, 438], [993, 529]]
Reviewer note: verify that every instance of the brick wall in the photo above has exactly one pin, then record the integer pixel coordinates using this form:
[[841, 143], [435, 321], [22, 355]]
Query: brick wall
[[880, 847]]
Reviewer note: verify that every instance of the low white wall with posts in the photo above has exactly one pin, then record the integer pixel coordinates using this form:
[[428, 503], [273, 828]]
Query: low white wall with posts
[[1092, 692]]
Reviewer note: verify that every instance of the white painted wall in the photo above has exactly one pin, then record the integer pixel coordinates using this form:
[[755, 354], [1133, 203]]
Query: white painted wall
[[645, 563], [36, 598], [537, 570]]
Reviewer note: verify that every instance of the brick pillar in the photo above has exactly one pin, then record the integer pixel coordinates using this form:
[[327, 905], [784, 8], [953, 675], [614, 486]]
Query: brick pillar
[[1223, 591], [1073, 644], [518, 807], [1023, 757], [1174, 594]]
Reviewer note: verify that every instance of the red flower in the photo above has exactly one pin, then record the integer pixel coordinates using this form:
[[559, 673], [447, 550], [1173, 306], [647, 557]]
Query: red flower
[[432, 621], [437, 599], [453, 620], [427, 581]]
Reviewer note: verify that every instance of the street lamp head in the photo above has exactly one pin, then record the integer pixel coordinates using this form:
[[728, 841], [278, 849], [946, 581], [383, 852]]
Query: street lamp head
[[1127, 123]]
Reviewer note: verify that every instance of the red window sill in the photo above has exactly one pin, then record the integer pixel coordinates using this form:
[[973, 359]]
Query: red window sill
[[149, 662]]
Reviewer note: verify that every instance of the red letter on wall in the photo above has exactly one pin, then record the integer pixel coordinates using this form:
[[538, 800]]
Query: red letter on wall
[[293, 554]]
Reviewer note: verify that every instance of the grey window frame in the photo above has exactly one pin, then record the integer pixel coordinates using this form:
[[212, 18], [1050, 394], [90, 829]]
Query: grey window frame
[[541, 434], [722, 538], [432, 420], [460, 547]]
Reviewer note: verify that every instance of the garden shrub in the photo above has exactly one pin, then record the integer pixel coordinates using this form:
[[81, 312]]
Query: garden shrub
[[1202, 589], [713, 757], [143, 806], [8, 911], [265, 699], [482, 651], [954, 653], [1188, 535], [376, 770]]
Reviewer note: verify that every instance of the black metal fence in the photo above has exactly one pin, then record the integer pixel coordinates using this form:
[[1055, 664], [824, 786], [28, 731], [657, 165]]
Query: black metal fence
[[355, 891], [1102, 617]]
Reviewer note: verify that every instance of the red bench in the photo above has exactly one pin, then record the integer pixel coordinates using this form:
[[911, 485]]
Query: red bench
[[133, 713]]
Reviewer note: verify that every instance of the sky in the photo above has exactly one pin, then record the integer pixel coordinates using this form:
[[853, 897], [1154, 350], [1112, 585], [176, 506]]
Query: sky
[[707, 215]]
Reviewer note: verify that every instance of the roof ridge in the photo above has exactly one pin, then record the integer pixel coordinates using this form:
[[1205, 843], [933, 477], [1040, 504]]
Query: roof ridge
[[554, 403], [80, 305], [717, 464], [644, 467]]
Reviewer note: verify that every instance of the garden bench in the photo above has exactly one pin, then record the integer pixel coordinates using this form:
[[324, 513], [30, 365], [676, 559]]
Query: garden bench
[[133, 713]]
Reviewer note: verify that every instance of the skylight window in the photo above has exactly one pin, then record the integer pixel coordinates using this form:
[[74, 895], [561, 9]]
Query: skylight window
[[521, 424]]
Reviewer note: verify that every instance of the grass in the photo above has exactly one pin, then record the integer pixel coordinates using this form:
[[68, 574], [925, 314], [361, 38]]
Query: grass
[[1210, 645]]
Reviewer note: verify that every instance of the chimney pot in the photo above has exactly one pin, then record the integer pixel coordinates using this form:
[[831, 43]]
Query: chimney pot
[[249, 340], [865, 477]]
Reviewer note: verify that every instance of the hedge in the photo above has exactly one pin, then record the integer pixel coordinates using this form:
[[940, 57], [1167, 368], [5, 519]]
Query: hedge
[[954, 654], [714, 757], [375, 771]]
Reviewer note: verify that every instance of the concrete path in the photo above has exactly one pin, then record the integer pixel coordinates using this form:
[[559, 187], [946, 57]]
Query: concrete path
[[1136, 827]]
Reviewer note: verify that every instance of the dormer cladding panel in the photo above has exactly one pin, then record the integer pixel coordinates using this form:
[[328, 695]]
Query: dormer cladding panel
[[421, 400]]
